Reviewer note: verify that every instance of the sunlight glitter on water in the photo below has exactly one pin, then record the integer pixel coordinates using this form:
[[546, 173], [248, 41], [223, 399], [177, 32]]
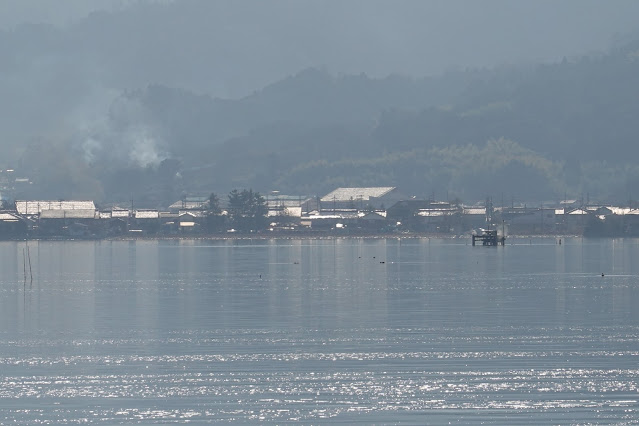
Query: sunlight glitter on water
[[441, 333]]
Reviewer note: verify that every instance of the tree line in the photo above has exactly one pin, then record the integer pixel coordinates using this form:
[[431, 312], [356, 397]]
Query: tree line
[[246, 210]]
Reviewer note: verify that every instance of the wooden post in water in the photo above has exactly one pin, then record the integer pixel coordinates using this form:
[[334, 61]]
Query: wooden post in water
[[30, 270], [24, 268]]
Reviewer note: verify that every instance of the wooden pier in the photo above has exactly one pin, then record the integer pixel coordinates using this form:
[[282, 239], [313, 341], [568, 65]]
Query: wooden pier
[[489, 238]]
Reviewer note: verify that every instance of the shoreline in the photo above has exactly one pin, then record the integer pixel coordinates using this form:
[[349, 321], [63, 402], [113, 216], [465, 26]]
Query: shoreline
[[302, 236]]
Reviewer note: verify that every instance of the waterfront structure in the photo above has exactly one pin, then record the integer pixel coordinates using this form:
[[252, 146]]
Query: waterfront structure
[[488, 237]]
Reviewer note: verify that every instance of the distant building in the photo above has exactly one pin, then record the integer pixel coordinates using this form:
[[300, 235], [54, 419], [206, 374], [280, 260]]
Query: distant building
[[77, 214], [189, 221], [530, 220], [373, 221], [33, 208], [190, 203], [473, 218], [145, 221], [69, 223], [146, 214], [573, 221], [285, 205], [405, 209], [359, 198], [329, 221], [12, 226]]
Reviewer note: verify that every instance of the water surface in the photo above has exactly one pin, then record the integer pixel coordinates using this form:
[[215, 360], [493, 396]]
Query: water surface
[[411, 331]]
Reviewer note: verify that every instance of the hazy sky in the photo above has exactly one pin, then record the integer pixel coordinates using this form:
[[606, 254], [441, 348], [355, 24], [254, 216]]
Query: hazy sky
[[230, 48], [57, 12], [409, 36]]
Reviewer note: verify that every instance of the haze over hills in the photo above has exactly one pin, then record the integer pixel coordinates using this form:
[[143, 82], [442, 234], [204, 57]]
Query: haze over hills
[[157, 99]]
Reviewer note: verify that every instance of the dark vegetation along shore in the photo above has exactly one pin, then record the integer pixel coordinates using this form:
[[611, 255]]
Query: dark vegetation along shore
[[247, 214]]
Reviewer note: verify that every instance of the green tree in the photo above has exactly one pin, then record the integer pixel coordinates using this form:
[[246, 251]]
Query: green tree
[[236, 203], [247, 210], [215, 221], [214, 204]]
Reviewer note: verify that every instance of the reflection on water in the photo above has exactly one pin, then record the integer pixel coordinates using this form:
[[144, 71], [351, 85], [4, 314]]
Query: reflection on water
[[416, 331]]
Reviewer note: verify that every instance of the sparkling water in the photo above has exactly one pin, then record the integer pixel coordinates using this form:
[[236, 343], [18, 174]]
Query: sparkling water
[[383, 331]]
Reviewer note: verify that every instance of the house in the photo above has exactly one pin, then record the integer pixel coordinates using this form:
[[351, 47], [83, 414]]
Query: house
[[189, 221], [120, 214], [285, 205], [530, 220], [114, 222], [169, 224], [613, 222], [372, 221], [574, 221], [145, 221], [72, 223]]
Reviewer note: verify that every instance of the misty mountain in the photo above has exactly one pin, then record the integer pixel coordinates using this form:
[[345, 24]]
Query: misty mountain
[[216, 142], [61, 67], [531, 132], [134, 102], [308, 99]]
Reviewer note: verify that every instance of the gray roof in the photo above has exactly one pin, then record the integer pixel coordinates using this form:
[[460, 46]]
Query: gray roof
[[8, 217], [434, 213], [299, 199], [147, 214], [372, 216], [357, 194], [189, 205], [191, 213], [119, 213], [168, 215], [69, 214], [36, 207], [111, 214], [475, 210], [285, 203], [579, 212], [330, 216]]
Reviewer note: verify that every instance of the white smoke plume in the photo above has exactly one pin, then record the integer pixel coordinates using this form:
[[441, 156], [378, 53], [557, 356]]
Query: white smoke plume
[[126, 136]]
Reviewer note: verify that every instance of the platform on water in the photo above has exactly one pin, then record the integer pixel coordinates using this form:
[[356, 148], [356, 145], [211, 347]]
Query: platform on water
[[489, 238]]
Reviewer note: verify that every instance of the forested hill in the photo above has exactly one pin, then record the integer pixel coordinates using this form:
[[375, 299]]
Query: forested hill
[[531, 132]]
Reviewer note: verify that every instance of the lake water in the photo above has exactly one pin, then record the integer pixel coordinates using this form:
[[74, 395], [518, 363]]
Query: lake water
[[411, 331]]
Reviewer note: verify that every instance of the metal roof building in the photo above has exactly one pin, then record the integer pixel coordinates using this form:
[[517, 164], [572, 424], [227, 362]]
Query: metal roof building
[[358, 198], [69, 214], [357, 194], [146, 214], [8, 217], [36, 207], [190, 203]]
